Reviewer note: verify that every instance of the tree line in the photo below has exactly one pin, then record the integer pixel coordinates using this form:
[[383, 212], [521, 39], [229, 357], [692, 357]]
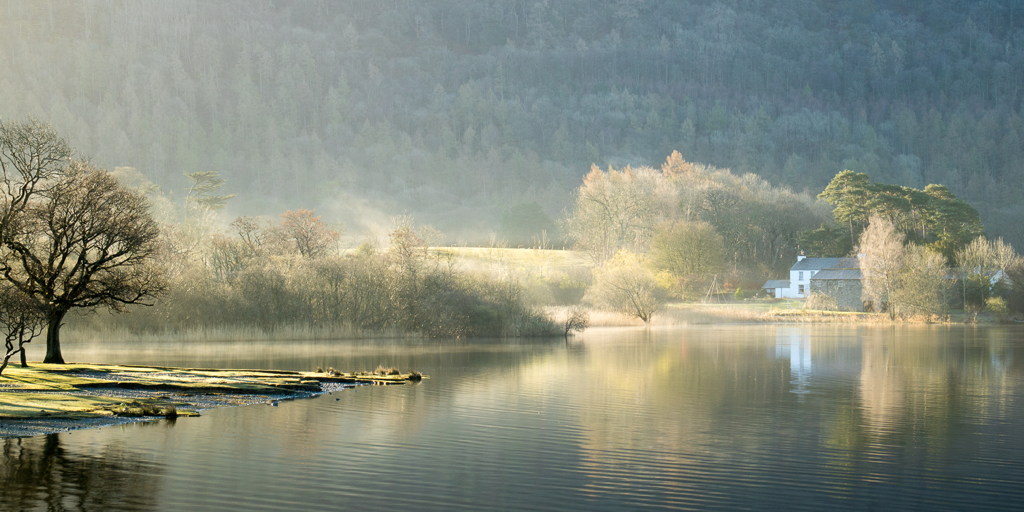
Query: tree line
[[916, 245], [933, 216], [906, 277], [77, 237], [464, 109], [690, 229], [676, 230], [295, 275]]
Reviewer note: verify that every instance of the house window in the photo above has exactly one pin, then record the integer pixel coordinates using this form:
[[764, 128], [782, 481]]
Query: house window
[[840, 284], [801, 289], [800, 276], [819, 284]]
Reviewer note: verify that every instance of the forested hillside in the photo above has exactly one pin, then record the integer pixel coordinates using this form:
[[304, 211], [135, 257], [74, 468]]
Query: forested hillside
[[457, 111]]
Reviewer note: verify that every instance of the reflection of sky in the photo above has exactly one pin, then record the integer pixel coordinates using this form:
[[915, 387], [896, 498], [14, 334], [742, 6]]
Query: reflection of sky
[[796, 345]]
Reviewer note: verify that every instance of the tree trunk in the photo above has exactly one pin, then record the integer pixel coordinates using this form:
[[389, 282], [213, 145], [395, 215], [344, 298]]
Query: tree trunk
[[53, 320], [24, 363]]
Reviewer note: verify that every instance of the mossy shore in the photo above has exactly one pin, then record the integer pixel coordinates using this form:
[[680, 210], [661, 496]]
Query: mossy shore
[[52, 398]]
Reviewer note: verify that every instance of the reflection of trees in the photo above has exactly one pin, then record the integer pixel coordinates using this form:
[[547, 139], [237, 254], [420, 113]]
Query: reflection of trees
[[718, 398], [667, 396], [911, 385], [882, 385], [38, 473]]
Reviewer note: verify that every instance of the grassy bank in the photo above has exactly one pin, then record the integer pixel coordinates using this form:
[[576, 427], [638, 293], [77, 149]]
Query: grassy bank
[[48, 398]]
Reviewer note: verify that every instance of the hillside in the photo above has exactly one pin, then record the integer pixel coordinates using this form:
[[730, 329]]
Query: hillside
[[456, 111]]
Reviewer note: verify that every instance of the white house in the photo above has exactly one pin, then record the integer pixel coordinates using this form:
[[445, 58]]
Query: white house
[[799, 284]]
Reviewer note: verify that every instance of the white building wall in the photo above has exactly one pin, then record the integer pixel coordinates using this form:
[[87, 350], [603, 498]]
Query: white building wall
[[799, 285]]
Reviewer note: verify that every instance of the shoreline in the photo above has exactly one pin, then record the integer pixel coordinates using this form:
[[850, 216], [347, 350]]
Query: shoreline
[[47, 398], [770, 312]]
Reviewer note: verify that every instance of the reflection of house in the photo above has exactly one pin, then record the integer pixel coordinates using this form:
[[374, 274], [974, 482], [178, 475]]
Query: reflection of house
[[843, 282], [799, 284], [795, 343]]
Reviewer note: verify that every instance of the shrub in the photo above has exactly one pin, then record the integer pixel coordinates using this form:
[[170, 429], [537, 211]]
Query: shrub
[[821, 302], [576, 320], [996, 306]]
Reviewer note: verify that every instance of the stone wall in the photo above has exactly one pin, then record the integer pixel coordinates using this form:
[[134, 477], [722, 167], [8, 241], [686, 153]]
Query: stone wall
[[846, 292]]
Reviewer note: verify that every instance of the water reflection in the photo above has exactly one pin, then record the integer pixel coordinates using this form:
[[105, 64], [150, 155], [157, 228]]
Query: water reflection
[[41, 473], [794, 417], [850, 412], [795, 344], [937, 387]]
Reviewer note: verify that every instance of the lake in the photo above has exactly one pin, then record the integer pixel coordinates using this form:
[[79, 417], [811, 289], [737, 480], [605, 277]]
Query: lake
[[728, 417]]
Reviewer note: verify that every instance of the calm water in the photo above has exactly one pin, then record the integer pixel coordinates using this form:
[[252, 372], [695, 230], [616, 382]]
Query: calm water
[[722, 417]]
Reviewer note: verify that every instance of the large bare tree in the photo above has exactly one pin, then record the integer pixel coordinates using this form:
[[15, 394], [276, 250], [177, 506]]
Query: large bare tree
[[73, 237], [31, 156], [882, 249], [618, 210]]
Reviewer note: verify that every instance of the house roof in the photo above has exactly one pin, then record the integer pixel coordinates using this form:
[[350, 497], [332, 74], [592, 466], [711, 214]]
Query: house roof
[[826, 263], [815, 263], [842, 268], [840, 273], [846, 264], [778, 283]]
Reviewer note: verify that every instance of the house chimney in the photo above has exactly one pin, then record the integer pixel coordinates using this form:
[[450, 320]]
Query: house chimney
[[800, 257]]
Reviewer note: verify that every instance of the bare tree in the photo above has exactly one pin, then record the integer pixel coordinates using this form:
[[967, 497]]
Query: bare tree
[[618, 210], [975, 267], [576, 320], [882, 247], [922, 287], [304, 231], [31, 155], [1004, 257], [83, 241], [251, 233], [982, 265], [625, 285], [22, 319]]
